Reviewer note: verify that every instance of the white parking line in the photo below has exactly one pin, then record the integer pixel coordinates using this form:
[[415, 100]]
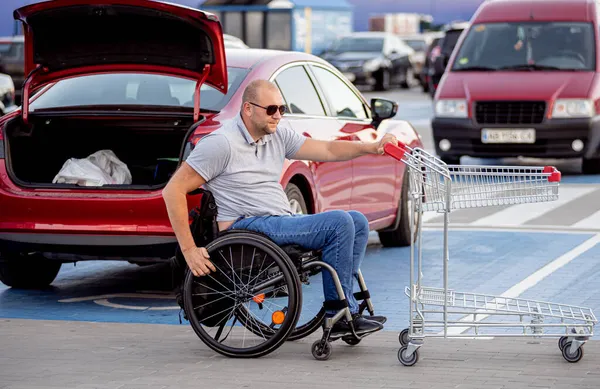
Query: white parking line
[[533, 280]]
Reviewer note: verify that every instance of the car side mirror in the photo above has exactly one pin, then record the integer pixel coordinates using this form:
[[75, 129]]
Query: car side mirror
[[383, 109]]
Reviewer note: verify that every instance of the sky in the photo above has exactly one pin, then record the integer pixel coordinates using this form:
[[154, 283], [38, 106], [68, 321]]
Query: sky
[[443, 11]]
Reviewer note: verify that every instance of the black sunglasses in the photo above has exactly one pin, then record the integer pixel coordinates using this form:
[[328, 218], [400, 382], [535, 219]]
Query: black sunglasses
[[271, 109]]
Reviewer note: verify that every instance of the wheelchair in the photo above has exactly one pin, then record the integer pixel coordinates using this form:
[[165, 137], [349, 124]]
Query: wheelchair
[[256, 291]]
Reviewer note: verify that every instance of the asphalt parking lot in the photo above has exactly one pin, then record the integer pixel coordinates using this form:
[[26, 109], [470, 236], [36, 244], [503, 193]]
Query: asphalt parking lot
[[116, 325]]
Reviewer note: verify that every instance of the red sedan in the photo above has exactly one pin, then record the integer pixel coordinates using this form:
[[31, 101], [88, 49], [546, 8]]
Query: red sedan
[[137, 99]]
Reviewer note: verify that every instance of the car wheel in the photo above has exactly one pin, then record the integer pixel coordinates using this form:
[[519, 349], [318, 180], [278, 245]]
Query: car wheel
[[296, 199], [383, 81], [400, 237], [28, 272], [590, 166], [409, 79], [451, 160]]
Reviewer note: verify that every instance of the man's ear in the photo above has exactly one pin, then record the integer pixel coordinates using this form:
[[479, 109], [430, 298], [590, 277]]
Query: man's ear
[[247, 109]]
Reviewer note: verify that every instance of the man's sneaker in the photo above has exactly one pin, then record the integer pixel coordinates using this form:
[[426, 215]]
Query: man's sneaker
[[376, 318], [361, 326]]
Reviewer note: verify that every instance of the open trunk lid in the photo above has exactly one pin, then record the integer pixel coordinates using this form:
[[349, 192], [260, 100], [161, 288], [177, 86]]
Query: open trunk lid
[[76, 37]]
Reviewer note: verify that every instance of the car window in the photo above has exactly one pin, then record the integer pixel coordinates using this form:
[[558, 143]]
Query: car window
[[450, 40], [136, 89], [365, 44], [299, 92], [416, 44], [12, 50], [341, 98], [555, 45]]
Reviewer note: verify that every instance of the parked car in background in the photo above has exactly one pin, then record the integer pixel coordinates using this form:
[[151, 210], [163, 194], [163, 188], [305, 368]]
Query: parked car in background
[[377, 59], [233, 42], [148, 114], [441, 54], [7, 94], [524, 80], [432, 52], [12, 59], [420, 44]]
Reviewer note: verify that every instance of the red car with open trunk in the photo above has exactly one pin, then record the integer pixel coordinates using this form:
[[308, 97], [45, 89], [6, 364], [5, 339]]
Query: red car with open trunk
[[146, 80]]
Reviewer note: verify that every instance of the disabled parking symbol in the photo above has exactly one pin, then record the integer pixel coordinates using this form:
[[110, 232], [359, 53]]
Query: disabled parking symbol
[[129, 301]]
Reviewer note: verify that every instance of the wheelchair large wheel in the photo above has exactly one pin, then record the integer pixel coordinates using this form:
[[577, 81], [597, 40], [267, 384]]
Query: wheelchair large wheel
[[228, 308], [301, 331]]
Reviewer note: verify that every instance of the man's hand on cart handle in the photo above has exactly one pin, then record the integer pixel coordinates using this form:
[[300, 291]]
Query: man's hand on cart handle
[[396, 150], [385, 140]]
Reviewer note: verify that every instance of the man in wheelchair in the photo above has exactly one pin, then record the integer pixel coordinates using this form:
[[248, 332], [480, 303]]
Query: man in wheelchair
[[240, 165]]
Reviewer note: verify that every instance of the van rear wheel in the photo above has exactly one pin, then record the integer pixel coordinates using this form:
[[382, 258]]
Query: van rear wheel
[[27, 272]]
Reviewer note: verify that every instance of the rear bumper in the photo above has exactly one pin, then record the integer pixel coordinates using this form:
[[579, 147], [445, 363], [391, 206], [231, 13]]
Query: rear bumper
[[76, 247], [553, 139]]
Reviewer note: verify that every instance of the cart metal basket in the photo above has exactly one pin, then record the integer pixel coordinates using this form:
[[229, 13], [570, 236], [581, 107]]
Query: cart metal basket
[[442, 312]]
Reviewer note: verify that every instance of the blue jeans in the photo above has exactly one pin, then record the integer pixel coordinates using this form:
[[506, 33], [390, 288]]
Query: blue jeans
[[341, 235]]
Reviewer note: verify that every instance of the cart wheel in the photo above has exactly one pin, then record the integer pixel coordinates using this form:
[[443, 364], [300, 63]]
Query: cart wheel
[[352, 341], [572, 357], [403, 337], [407, 361], [321, 353], [561, 342]]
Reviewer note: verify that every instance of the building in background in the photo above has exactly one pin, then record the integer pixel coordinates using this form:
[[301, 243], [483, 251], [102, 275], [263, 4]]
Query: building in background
[[298, 25], [305, 24], [441, 11]]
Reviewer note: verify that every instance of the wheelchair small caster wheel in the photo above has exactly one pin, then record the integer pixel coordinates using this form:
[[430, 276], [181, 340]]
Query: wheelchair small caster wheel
[[352, 341], [571, 357], [405, 359], [403, 337], [321, 352], [561, 342]]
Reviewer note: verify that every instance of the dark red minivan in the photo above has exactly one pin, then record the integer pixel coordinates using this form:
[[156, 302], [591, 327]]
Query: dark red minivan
[[523, 80]]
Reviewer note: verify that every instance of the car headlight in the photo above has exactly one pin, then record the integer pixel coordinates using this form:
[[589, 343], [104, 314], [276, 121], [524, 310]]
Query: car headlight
[[451, 108], [573, 108]]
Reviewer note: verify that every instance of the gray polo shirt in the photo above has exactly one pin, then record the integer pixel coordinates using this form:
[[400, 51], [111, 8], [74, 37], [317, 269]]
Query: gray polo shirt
[[243, 175]]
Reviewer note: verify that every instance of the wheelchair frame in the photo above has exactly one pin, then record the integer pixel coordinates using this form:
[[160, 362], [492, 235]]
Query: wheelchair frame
[[296, 264]]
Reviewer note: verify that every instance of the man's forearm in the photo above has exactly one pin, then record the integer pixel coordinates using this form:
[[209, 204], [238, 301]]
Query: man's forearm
[[176, 204], [346, 150]]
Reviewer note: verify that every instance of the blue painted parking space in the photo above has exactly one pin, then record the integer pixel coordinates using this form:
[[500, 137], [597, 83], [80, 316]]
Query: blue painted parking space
[[481, 262]]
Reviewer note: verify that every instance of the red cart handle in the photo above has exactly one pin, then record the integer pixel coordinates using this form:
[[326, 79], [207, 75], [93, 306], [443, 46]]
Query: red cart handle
[[394, 151], [555, 174]]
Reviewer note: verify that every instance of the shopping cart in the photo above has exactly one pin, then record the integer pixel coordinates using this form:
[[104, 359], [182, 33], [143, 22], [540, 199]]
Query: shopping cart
[[442, 312]]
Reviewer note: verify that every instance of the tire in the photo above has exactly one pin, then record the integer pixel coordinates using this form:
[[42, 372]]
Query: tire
[[590, 166], [451, 160], [296, 199], [410, 80], [286, 269], [383, 81], [23, 272], [400, 237]]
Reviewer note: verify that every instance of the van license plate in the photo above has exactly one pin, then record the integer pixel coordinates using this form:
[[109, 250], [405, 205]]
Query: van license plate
[[508, 136]]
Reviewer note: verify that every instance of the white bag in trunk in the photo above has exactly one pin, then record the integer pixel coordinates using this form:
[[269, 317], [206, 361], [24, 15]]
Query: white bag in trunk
[[101, 168]]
